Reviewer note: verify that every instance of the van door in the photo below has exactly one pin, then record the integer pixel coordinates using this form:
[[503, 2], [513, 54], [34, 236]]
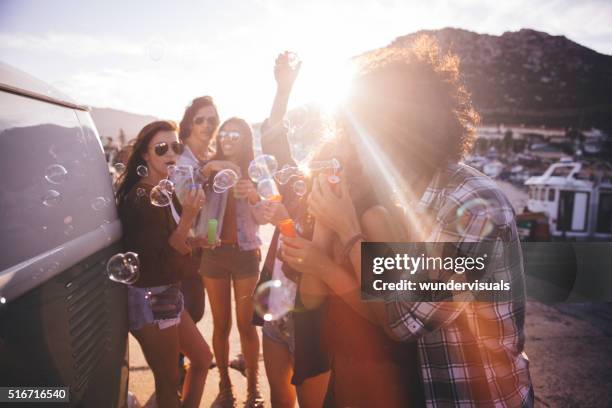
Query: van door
[[573, 211]]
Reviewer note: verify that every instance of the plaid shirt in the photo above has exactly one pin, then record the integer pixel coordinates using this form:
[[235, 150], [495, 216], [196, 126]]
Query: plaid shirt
[[470, 353]]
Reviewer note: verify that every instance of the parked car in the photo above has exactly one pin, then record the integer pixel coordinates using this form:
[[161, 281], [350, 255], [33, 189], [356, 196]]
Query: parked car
[[62, 321]]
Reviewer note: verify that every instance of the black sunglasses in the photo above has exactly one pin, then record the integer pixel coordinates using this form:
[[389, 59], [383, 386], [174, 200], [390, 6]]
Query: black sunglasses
[[212, 120], [162, 148]]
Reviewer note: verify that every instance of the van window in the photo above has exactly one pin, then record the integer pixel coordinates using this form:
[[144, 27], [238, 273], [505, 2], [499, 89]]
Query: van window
[[573, 211], [604, 213], [55, 184]]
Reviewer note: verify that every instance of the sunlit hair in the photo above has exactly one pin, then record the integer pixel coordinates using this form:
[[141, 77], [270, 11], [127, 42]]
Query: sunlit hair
[[245, 153], [414, 104], [190, 112], [130, 178], [408, 114]]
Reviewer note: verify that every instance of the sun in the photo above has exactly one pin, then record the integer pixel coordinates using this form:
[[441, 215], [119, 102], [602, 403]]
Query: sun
[[323, 81]]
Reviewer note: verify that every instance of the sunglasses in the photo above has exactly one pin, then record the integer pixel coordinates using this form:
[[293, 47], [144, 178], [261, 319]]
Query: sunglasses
[[162, 148], [231, 136], [212, 120]]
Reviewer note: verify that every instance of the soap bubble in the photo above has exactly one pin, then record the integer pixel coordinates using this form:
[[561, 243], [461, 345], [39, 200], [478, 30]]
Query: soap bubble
[[159, 197], [140, 192], [156, 48], [473, 218], [119, 167], [262, 167], [299, 188], [99, 203], [51, 198], [56, 174], [224, 180], [286, 173], [142, 171], [123, 268], [182, 177], [273, 308], [268, 190], [166, 185]]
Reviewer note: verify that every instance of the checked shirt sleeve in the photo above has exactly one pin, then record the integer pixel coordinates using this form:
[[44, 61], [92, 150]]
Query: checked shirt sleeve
[[468, 227]]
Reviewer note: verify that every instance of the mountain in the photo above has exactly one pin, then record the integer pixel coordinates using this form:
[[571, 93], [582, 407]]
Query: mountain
[[530, 77], [110, 121]]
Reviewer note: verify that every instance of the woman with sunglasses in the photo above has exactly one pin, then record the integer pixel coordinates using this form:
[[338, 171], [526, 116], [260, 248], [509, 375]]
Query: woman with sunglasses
[[235, 262], [159, 236], [198, 126]]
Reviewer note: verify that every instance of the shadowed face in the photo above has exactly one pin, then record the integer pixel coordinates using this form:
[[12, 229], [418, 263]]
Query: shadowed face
[[204, 124], [163, 151]]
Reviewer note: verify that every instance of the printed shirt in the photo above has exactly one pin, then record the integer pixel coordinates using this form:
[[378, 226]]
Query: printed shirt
[[470, 353]]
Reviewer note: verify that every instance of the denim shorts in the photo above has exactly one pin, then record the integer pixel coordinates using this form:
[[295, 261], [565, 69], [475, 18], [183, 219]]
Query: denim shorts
[[229, 262], [281, 331], [139, 308]]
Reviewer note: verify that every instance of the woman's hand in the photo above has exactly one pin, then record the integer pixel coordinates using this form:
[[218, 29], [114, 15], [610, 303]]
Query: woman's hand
[[218, 165], [246, 189], [202, 242], [284, 73], [336, 212], [193, 203], [305, 257]]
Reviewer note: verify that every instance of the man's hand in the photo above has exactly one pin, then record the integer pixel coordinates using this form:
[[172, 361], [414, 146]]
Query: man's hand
[[286, 70], [335, 212]]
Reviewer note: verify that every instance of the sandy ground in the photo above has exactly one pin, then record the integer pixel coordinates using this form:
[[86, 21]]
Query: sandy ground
[[569, 346]]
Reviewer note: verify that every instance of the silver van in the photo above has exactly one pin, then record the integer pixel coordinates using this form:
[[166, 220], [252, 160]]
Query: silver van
[[62, 321]]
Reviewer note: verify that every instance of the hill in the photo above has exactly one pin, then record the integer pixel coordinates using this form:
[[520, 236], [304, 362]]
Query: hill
[[110, 121], [530, 77]]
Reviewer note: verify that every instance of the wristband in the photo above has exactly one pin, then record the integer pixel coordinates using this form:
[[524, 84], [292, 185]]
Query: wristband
[[350, 243]]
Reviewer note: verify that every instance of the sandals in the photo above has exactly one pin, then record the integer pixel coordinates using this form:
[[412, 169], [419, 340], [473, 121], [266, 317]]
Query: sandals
[[254, 400], [225, 399]]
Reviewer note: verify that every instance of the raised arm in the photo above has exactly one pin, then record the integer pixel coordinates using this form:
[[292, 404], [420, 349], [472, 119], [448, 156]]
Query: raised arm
[[273, 133], [285, 74]]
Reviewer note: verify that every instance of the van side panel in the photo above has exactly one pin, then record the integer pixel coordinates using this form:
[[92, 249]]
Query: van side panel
[[63, 322], [70, 331]]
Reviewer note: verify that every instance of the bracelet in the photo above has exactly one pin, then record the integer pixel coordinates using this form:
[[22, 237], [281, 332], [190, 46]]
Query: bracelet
[[350, 243]]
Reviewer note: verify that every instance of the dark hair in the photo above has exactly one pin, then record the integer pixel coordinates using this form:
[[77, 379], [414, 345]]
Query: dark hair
[[414, 104], [130, 178], [245, 155], [191, 110]]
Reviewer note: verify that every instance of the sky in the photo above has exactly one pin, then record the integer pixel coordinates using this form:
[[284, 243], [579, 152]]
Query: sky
[[154, 57]]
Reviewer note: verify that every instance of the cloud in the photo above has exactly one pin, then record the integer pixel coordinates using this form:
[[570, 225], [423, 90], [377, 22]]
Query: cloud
[[70, 44]]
